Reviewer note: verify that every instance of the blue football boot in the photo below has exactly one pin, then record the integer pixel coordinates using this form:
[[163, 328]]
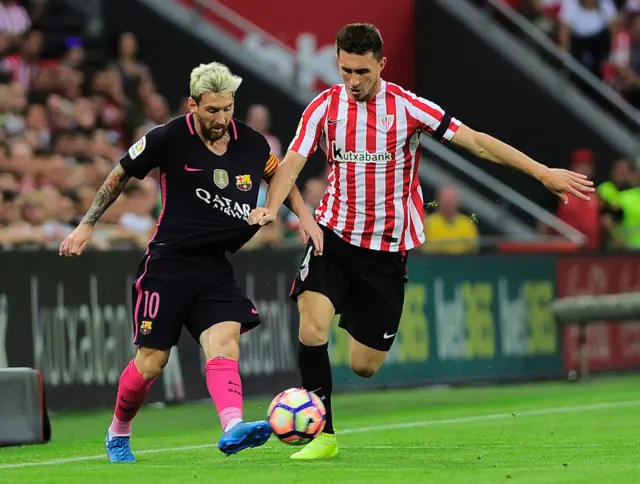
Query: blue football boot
[[244, 436], [118, 449]]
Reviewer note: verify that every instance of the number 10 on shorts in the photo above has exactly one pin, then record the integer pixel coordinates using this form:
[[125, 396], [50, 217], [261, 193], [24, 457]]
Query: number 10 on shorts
[[151, 304]]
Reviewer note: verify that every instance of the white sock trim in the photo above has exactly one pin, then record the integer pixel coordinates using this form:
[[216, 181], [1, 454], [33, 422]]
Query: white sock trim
[[113, 434], [232, 424]]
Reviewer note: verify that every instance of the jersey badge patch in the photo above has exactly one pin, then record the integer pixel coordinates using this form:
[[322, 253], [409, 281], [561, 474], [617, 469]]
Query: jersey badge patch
[[243, 182], [221, 178], [145, 327], [386, 122], [138, 148]]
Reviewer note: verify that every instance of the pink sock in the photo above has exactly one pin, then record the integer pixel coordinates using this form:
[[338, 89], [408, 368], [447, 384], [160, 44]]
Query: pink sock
[[132, 390], [225, 388]]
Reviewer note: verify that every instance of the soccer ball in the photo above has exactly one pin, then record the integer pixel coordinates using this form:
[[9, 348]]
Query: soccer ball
[[296, 416]]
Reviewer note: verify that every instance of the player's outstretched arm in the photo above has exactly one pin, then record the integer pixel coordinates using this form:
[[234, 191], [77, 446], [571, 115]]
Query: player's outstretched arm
[[110, 190], [558, 181], [281, 184]]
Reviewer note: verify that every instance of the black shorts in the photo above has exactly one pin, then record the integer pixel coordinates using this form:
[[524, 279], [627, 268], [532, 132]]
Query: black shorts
[[365, 286], [195, 292]]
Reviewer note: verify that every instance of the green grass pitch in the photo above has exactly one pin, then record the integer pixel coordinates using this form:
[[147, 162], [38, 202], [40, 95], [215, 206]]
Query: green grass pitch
[[535, 433]]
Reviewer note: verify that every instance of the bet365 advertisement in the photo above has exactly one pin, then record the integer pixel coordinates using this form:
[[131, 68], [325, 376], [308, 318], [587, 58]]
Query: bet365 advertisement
[[469, 318], [466, 318], [610, 344]]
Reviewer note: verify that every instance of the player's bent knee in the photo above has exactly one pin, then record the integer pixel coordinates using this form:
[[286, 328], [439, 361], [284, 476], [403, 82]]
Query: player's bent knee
[[150, 362], [364, 370], [229, 350], [221, 340], [365, 361]]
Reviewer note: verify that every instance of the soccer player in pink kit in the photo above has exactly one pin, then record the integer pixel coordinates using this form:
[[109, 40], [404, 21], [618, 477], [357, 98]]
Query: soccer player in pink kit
[[372, 210], [210, 171]]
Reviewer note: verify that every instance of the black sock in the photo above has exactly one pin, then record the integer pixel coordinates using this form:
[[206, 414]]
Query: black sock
[[315, 369]]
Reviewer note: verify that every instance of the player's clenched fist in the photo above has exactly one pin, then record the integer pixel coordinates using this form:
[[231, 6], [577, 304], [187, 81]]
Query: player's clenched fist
[[261, 216], [76, 241]]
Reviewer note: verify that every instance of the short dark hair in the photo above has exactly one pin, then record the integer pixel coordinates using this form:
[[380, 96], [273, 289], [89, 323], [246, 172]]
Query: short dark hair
[[360, 39]]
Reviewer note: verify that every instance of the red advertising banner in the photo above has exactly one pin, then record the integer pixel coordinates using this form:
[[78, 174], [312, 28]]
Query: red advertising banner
[[302, 34], [610, 346]]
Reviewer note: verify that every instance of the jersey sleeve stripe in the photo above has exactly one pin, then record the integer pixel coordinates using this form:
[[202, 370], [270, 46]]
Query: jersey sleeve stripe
[[272, 164], [454, 126], [310, 127]]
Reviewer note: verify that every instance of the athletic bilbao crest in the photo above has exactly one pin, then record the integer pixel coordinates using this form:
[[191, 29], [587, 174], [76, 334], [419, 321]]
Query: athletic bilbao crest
[[243, 182], [385, 122]]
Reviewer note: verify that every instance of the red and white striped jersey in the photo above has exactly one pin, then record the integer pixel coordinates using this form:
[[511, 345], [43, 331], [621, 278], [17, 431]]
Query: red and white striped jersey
[[373, 199]]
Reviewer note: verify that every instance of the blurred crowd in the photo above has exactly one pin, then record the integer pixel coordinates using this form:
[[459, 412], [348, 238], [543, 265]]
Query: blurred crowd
[[602, 35], [610, 221], [63, 126]]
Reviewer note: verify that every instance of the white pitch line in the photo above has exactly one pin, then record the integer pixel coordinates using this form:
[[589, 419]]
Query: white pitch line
[[495, 416], [486, 446], [406, 425], [85, 458]]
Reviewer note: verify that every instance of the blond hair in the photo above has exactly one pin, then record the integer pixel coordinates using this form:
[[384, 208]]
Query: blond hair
[[213, 77]]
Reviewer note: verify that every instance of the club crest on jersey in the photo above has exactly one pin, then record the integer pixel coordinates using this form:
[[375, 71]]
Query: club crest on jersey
[[145, 327], [138, 148], [386, 122], [220, 178], [243, 182]]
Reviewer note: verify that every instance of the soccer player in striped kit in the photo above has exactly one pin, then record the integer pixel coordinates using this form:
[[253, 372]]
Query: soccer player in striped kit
[[372, 211]]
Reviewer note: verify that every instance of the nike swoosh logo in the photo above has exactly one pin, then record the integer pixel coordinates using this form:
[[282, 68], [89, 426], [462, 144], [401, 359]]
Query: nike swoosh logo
[[333, 121], [254, 311], [193, 169], [387, 336]]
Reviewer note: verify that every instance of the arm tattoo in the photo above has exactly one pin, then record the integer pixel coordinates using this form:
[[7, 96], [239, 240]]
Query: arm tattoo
[[109, 191]]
